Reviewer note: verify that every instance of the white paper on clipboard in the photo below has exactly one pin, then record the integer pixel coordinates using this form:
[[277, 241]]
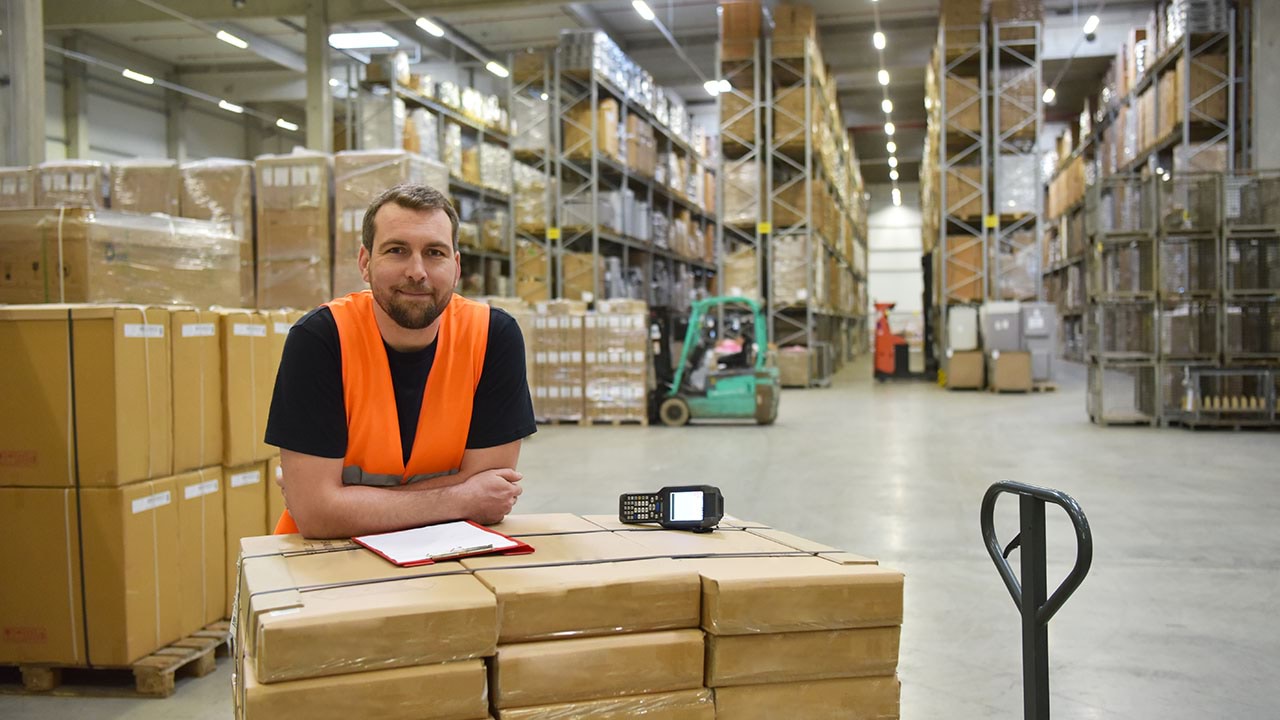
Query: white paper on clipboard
[[436, 542]]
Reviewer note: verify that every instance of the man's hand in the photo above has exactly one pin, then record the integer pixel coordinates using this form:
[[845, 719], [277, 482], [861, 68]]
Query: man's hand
[[488, 496]]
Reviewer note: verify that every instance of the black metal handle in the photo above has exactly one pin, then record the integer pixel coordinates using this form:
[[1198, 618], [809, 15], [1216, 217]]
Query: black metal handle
[[1084, 543]]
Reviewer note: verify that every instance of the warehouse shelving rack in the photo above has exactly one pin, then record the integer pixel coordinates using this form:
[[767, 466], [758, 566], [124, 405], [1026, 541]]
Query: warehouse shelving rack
[[964, 160], [741, 111], [581, 172], [533, 147], [1017, 119], [796, 168], [475, 260]]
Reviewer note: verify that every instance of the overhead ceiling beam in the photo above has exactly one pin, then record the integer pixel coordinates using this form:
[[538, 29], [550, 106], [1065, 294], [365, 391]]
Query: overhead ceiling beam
[[79, 14]]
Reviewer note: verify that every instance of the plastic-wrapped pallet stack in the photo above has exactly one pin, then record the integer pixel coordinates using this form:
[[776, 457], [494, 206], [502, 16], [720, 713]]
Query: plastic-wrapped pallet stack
[[17, 187], [146, 186], [359, 176], [558, 361], [294, 260], [617, 361], [221, 189], [71, 183]]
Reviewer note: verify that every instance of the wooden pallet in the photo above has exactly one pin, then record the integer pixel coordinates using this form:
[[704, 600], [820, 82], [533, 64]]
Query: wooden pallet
[[151, 676], [559, 420], [616, 422]]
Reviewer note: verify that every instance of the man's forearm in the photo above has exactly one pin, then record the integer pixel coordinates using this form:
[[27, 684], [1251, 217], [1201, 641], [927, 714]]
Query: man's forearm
[[358, 510]]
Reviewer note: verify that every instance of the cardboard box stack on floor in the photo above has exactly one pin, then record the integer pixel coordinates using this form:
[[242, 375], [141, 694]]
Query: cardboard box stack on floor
[[293, 255], [616, 350], [558, 360], [133, 459], [602, 620], [221, 189]]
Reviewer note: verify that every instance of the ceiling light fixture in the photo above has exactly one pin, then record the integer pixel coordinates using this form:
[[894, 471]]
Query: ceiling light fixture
[[878, 40], [230, 39], [334, 82], [893, 174], [1091, 25], [643, 8], [544, 97], [886, 105], [429, 27], [138, 77], [1049, 96], [883, 77], [897, 197], [891, 146], [497, 69], [230, 107], [889, 128], [362, 40], [893, 162], [286, 125]]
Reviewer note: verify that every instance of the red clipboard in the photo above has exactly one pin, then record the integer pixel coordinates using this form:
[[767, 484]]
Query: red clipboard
[[442, 541]]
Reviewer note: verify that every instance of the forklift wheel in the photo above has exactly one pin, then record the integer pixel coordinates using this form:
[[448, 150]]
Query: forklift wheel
[[674, 412]]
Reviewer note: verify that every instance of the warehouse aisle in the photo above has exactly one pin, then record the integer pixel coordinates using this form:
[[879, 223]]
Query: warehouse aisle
[[1171, 623]]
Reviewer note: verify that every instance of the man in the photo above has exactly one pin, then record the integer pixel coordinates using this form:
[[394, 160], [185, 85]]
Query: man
[[402, 405]]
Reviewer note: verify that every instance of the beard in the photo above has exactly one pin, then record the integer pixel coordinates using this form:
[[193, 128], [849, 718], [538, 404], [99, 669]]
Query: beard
[[412, 313]]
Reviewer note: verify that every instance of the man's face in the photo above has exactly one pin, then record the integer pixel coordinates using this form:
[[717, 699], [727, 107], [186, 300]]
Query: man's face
[[412, 269]]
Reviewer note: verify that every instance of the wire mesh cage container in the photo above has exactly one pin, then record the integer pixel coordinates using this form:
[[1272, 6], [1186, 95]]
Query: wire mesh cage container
[[1124, 268], [1190, 330], [1251, 200], [1073, 337], [1123, 331], [1121, 205], [1253, 329], [1189, 266], [1189, 203], [1177, 391], [1232, 396], [1252, 264], [1123, 394]]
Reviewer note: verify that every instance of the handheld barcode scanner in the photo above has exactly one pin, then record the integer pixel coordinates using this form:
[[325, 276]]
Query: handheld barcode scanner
[[698, 508]]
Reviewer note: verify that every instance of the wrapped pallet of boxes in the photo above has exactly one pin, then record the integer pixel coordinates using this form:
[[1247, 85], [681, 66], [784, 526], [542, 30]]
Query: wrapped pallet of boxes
[[359, 177], [293, 256], [221, 189], [616, 356], [795, 363], [531, 200], [581, 128], [495, 168], [312, 654], [580, 271], [146, 186], [531, 115], [422, 133], [741, 274], [71, 183], [580, 636], [743, 206], [115, 257], [558, 360], [739, 29], [17, 187], [790, 271]]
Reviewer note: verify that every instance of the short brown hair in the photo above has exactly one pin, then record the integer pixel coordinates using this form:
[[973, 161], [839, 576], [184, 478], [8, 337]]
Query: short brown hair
[[410, 197]]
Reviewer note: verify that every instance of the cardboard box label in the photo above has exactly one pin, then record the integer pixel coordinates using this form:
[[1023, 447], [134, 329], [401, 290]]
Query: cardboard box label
[[249, 330], [282, 328], [198, 330], [251, 477], [200, 489], [151, 502], [143, 330]]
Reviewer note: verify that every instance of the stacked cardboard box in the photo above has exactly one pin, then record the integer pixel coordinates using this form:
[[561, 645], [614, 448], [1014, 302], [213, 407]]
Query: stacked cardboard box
[[617, 361], [602, 620], [743, 190], [580, 271], [739, 29], [790, 271], [579, 126], [115, 257], [293, 256], [641, 147], [221, 189], [558, 360], [741, 275], [359, 177], [531, 199], [793, 28], [531, 272], [495, 168], [17, 187], [71, 183], [795, 364], [145, 186]]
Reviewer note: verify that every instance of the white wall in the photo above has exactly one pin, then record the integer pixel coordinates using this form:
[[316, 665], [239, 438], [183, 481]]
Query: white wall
[[893, 248]]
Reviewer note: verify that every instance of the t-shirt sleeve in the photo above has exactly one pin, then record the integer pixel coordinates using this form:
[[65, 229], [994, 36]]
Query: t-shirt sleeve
[[308, 414], [502, 411]]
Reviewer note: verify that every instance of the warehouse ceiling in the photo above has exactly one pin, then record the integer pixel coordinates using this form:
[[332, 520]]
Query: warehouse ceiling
[[270, 71]]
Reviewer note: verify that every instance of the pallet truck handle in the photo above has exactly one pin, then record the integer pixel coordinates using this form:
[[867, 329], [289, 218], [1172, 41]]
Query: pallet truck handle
[[1084, 543]]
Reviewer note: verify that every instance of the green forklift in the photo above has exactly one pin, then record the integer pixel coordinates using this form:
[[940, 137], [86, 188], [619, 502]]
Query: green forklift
[[721, 372]]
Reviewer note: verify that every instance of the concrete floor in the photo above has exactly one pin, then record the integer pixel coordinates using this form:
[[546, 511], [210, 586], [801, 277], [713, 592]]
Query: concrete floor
[[1173, 621]]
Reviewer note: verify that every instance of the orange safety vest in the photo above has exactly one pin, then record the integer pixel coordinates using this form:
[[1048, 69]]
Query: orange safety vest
[[374, 454]]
